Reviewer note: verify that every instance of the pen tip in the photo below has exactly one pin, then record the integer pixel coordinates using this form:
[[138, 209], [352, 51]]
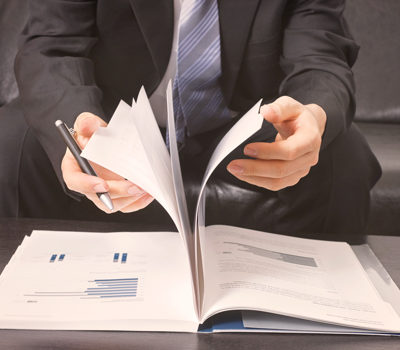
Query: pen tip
[[58, 122], [106, 199]]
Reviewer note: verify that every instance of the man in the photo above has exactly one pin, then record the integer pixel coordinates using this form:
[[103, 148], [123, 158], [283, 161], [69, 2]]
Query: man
[[80, 57]]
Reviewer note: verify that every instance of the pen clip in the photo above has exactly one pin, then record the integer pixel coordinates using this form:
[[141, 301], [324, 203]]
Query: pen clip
[[71, 130]]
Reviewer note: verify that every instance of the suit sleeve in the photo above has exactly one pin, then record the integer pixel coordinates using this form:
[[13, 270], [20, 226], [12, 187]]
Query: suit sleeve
[[317, 56], [54, 74]]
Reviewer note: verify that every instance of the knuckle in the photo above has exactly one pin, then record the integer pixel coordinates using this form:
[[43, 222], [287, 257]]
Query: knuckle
[[304, 173], [316, 141], [285, 99], [315, 159], [313, 143]]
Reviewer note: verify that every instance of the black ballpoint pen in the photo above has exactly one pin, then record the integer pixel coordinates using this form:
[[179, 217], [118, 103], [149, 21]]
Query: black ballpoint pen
[[83, 163]]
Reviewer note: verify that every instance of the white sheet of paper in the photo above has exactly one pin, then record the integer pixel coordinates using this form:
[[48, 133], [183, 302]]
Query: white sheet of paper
[[187, 233], [121, 148], [154, 145], [253, 270], [151, 290], [247, 125], [378, 276], [177, 173]]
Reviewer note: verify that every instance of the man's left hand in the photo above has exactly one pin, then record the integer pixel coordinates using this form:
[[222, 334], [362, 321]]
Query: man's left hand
[[296, 148]]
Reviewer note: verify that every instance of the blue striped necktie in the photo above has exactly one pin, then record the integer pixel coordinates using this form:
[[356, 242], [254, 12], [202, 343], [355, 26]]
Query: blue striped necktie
[[198, 101]]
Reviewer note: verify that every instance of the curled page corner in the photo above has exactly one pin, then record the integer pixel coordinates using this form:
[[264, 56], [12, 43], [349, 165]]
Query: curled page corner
[[245, 127]]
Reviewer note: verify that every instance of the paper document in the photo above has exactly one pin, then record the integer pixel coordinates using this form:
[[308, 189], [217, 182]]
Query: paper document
[[252, 270], [177, 281], [126, 281]]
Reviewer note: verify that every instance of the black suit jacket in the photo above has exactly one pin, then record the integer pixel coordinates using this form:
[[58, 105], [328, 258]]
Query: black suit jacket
[[85, 55]]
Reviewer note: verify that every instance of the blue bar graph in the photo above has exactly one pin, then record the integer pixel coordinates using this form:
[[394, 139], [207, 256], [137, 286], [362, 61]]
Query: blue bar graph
[[114, 287], [101, 288], [124, 258], [61, 257], [53, 258], [116, 257]]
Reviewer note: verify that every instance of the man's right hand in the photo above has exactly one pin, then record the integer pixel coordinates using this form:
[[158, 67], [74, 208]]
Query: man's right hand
[[126, 196]]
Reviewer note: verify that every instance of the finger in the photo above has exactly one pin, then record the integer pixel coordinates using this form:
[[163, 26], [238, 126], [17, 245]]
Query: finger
[[124, 188], [87, 123], [98, 203], [138, 205], [282, 114], [85, 126], [125, 205], [304, 141], [282, 109], [119, 203], [272, 168], [275, 184], [78, 181]]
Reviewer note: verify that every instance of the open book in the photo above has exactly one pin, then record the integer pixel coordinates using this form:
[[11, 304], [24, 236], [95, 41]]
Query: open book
[[177, 281]]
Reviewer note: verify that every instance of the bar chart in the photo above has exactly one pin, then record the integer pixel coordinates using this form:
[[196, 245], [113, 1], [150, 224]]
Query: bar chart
[[97, 289], [114, 288]]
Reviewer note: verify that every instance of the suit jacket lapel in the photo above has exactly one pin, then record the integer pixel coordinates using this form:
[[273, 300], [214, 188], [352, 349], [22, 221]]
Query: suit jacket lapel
[[235, 19], [155, 19]]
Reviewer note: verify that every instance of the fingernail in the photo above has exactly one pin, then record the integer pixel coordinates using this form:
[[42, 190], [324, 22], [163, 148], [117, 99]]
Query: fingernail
[[134, 191], [100, 188], [236, 169], [250, 152]]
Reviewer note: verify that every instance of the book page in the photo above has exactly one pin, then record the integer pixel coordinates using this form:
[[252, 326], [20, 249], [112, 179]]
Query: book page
[[314, 280], [376, 273], [177, 176], [132, 147], [99, 281], [247, 125], [187, 232], [154, 145]]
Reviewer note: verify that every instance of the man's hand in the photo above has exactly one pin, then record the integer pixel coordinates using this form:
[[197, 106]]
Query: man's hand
[[126, 196], [296, 148]]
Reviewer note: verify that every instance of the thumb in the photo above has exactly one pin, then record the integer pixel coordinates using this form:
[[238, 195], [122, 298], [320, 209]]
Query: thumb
[[86, 125], [285, 128], [282, 114]]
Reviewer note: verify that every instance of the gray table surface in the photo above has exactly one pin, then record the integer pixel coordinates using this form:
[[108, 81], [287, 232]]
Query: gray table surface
[[11, 234]]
